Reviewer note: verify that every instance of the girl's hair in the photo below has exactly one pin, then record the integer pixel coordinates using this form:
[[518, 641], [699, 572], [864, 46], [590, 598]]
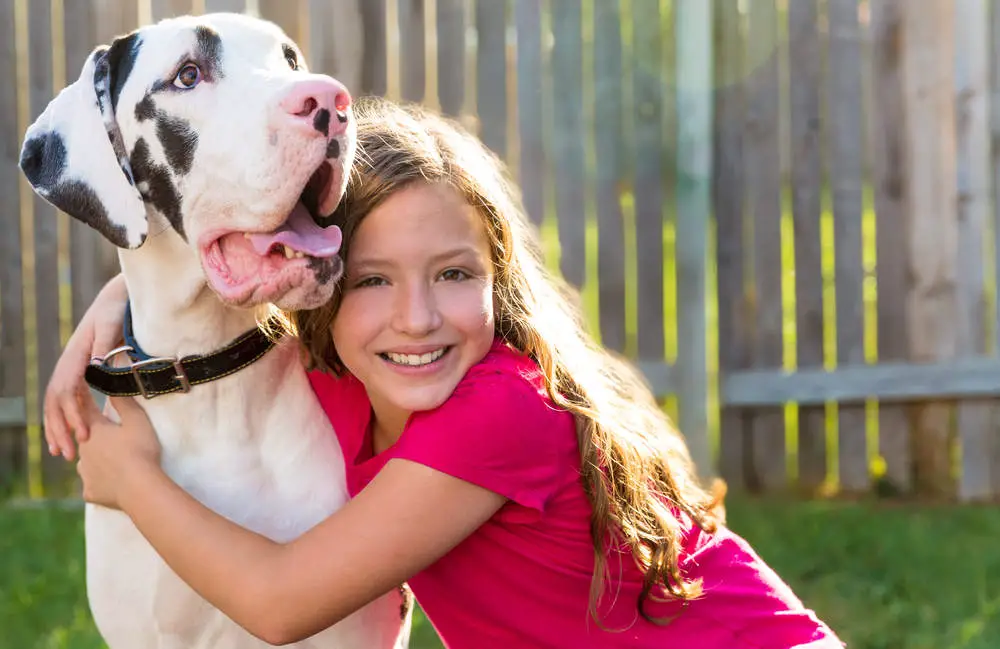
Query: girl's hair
[[636, 468]]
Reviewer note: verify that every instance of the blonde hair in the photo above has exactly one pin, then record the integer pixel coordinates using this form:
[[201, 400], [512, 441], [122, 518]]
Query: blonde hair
[[636, 468]]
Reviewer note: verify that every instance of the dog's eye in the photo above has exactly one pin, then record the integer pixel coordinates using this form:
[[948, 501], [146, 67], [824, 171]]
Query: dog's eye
[[188, 77], [291, 57]]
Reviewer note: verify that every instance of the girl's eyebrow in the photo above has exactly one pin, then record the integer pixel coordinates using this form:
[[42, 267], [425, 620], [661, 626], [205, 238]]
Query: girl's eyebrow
[[372, 261]]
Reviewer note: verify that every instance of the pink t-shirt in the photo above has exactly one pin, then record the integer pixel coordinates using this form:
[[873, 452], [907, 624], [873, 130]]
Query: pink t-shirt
[[523, 578]]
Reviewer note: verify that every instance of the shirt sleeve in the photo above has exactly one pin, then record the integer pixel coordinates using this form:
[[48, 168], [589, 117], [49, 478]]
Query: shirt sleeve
[[499, 432]]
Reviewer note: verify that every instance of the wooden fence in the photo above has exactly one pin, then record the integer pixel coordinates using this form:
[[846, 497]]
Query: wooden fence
[[784, 210]]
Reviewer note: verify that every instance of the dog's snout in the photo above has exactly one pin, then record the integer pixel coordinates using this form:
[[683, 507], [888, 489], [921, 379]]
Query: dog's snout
[[320, 102]]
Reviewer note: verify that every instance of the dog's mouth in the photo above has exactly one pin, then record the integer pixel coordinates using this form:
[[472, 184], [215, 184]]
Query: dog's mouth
[[255, 266]]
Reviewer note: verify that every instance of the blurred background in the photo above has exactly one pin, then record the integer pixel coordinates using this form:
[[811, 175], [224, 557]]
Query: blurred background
[[785, 211]]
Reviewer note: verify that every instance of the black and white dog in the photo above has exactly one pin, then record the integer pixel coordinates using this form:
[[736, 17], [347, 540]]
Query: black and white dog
[[205, 151]]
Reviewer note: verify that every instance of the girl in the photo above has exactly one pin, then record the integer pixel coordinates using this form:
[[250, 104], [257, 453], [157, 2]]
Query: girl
[[521, 479]]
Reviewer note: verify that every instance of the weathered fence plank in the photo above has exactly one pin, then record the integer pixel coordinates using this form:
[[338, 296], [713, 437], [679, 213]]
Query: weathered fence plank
[[530, 118], [410, 22], [976, 420], [995, 166], [337, 41], [647, 124], [491, 74], [374, 72], [289, 15], [889, 171], [161, 9], [610, 169], [728, 186], [846, 160], [238, 6], [13, 460], [929, 104], [693, 33], [805, 74], [451, 55], [764, 197], [567, 138]]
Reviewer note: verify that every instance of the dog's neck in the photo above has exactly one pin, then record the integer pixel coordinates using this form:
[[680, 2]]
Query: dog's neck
[[174, 313]]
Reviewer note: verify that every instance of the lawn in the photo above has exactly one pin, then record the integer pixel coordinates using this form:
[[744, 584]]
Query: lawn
[[885, 576]]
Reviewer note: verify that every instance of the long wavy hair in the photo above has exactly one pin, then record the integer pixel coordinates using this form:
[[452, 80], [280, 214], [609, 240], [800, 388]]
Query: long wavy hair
[[636, 468]]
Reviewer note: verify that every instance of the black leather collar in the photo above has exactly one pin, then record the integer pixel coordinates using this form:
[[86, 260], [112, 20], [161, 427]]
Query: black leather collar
[[153, 376]]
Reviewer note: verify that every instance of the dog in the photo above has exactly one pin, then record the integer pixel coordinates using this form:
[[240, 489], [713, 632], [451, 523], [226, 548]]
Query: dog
[[207, 153]]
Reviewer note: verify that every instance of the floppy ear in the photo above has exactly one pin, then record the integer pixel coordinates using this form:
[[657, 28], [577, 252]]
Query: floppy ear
[[74, 158]]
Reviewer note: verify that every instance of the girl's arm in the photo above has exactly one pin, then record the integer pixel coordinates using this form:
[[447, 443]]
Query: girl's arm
[[98, 332], [407, 518]]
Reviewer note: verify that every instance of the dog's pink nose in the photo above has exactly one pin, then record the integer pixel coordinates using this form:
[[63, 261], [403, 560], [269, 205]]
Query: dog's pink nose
[[320, 102]]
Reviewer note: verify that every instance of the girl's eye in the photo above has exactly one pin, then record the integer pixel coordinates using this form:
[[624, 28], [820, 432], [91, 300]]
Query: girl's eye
[[454, 275], [188, 77], [369, 281]]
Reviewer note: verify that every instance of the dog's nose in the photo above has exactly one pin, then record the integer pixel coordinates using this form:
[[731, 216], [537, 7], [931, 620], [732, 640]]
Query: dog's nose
[[320, 102]]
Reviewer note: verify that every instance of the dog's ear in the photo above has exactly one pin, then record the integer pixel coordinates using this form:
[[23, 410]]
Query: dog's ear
[[73, 154]]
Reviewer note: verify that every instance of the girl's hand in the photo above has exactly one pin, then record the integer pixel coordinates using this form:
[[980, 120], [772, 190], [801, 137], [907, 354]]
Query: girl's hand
[[67, 396], [115, 453]]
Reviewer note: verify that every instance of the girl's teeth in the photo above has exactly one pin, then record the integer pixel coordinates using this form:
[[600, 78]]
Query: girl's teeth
[[415, 359]]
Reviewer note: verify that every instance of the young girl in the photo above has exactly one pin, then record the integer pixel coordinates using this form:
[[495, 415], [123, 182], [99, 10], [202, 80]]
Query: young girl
[[521, 479]]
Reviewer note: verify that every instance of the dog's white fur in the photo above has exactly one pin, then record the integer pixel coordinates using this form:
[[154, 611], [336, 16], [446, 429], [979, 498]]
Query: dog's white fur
[[254, 446]]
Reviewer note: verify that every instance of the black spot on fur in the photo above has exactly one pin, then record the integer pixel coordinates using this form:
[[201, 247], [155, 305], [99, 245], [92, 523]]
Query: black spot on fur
[[145, 109], [79, 200], [333, 149], [159, 188], [209, 49], [98, 54], [341, 117], [43, 160], [179, 142], [326, 269], [121, 58], [322, 121]]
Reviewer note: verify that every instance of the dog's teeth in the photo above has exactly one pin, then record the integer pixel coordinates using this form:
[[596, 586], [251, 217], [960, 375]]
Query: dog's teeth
[[289, 253], [299, 255], [246, 235]]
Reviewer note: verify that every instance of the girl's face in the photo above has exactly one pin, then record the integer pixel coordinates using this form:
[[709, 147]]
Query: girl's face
[[417, 307]]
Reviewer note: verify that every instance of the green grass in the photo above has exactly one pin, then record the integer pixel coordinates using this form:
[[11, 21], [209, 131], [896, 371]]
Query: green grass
[[884, 576]]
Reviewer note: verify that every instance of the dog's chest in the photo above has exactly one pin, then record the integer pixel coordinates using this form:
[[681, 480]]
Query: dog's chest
[[273, 466]]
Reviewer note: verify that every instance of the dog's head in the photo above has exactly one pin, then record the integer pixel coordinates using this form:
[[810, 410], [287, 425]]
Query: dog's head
[[211, 127]]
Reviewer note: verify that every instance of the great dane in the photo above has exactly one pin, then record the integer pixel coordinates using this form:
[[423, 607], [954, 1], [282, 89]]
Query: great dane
[[204, 149]]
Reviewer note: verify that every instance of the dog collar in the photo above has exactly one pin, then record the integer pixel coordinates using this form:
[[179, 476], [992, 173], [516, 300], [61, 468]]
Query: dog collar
[[152, 376]]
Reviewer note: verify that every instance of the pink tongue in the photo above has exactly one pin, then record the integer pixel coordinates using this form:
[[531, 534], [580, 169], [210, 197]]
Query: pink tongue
[[300, 233]]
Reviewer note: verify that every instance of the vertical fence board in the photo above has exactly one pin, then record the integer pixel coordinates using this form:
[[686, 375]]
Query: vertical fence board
[[846, 161], [728, 184], [374, 79], [995, 166], [238, 6], [113, 18], [975, 419], [647, 107], [764, 195], [491, 75], [928, 85], [412, 77], [12, 352], [608, 136], [693, 33], [527, 17], [807, 186], [567, 137], [889, 170], [451, 55], [167, 8], [337, 41], [287, 14]]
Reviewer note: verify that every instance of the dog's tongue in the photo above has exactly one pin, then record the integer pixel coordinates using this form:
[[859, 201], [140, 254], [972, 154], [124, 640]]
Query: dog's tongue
[[300, 233]]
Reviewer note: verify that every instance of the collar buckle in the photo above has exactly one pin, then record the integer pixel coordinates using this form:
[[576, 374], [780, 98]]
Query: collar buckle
[[180, 374]]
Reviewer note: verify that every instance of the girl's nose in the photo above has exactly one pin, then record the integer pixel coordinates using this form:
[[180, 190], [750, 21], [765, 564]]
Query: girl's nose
[[416, 312]]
